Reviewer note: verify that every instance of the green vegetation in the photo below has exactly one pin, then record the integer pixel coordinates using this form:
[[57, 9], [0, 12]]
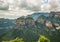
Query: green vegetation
[[21, 18], [29, 17], [15, 40], [43, 39], [32, 33]]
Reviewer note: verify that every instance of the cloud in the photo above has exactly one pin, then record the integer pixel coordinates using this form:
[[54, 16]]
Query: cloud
[[3, 5], [14, 14], [39, 5], [45, 7], [54, 4], [33, 5], [17, 8]]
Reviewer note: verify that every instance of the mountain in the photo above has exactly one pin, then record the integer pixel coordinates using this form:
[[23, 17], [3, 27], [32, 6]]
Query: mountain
[[35, 15], [30, 33], [6, 23]]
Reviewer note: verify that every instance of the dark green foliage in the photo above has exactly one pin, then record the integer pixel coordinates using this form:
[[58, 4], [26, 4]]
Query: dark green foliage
[[28, 17], [41, 16], [21, 18]]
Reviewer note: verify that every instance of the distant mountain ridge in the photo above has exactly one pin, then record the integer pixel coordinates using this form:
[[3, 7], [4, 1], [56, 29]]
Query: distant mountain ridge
[[35, 15], [6, 22]]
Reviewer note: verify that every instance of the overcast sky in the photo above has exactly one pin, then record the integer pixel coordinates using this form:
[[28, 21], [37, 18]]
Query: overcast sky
[[15, 8]]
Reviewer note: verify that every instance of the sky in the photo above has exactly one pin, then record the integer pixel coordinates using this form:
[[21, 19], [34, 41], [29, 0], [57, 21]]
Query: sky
[[13, 9]]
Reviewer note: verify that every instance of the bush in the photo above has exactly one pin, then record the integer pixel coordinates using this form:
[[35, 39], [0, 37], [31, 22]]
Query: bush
[[43, 39], [15, 40]]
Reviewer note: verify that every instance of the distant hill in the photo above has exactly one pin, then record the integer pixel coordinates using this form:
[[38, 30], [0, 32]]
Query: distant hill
[[6, 23], [37, 14]]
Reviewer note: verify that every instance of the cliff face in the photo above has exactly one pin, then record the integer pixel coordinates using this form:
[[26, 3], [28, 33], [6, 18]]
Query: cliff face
[[40, 18], [57, 14], [54, 14]]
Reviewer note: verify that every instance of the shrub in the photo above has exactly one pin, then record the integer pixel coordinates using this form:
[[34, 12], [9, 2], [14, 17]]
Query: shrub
[[15, 40], [43, 39]]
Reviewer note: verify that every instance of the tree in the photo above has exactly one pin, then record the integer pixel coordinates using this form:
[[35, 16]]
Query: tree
[[43, 39]]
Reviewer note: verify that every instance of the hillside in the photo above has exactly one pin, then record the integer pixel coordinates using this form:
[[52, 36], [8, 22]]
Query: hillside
[[32, 26]]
